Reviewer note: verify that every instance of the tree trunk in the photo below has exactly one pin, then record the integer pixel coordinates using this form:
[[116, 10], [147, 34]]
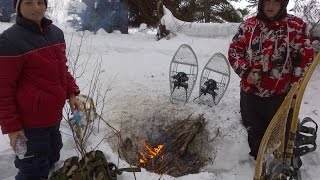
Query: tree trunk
[[207, 6], [160, 9]]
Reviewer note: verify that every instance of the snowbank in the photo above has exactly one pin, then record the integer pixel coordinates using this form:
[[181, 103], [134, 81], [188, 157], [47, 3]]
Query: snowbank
[[207, 30]]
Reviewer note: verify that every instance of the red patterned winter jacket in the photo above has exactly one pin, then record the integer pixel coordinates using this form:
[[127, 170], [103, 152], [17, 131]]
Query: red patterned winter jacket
[[34, 80], [280, 49]]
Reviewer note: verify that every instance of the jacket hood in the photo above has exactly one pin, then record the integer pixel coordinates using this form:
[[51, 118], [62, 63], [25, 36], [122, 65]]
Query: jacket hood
[[282, 13]]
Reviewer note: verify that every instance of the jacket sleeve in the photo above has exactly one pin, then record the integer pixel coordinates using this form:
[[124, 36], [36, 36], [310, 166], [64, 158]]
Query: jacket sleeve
[[237, 53], [10, 70], [304, 54], [71, 85]]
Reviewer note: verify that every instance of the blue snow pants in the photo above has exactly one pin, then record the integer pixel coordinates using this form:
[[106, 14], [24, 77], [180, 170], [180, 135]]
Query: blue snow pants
[[44, 145]]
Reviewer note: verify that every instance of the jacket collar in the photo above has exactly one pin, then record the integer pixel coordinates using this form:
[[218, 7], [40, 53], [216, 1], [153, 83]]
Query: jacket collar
[[273, 24], [45, 23]]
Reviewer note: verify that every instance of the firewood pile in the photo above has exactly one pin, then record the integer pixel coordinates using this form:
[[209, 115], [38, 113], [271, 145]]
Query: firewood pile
[[171, 153]]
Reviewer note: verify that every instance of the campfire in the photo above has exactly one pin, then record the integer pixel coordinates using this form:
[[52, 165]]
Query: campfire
[[173, 156], [149, 154], [165, 145]]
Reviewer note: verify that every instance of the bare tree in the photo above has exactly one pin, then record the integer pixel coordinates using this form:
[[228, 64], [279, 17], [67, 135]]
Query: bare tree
[[309, 10], [85, 68]]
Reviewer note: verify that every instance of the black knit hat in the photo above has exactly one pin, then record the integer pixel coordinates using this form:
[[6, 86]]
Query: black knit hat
[[16, 4], [282, 13]]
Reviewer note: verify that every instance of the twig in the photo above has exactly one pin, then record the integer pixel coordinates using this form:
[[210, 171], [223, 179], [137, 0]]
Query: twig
[[99, 143], [218, 133]]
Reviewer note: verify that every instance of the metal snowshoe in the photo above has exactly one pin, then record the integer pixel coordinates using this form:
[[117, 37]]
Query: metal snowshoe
[[183, 74]]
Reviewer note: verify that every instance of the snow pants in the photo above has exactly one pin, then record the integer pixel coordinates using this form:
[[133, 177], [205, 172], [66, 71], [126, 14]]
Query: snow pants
[[43, 150], [257, 112]]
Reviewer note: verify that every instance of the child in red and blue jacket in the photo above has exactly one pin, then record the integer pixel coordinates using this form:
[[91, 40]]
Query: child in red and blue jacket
[[34, 85]]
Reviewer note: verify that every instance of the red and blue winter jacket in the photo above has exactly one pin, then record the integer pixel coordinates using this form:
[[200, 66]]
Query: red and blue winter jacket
[[281, 50], [34, 78]]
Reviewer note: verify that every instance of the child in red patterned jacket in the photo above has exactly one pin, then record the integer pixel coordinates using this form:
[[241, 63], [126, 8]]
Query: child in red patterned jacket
[[269, 52]]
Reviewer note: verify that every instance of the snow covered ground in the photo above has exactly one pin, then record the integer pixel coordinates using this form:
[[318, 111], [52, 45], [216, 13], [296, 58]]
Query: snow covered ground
[[140, 66]]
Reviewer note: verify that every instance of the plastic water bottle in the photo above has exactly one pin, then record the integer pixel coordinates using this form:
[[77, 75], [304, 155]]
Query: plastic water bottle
[[77, 115], [21, 148]]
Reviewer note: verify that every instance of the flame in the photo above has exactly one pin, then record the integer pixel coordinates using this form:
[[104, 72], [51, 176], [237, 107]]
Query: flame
[[149, 153]]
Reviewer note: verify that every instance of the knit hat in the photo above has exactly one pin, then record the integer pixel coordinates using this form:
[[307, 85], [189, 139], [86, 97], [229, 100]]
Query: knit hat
[[16, 4], [282, 13]]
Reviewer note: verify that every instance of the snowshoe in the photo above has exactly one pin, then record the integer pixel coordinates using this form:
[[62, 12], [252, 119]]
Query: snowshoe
[[183, 74], [214, 80]]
